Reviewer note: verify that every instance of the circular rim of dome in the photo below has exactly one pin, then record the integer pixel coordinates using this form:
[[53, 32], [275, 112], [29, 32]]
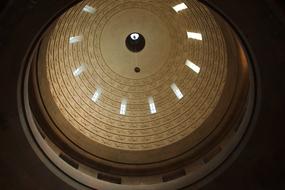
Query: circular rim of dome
[[158, 121], [21, 93]]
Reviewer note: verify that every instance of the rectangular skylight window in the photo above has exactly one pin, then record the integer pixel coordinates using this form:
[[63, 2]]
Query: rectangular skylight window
[[192, 66], [96, 95], [177, 91], [75, 39], [180, 7], [151, 105], [123, 108], [79, 71], [195, 36], [89, 9]]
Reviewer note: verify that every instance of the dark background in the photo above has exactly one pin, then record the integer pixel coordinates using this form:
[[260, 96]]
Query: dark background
[[260, 166]]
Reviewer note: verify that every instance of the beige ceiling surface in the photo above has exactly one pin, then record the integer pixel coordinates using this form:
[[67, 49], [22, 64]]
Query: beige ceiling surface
[[121, 60], [109, 66]]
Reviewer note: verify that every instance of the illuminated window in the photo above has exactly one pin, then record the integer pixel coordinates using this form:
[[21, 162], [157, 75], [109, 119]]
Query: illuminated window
[[89, 9], [151, 105], [123, 108], [195, 36], [79, 71], [180, 7], [96, 95], [192, 66], [177, 92], [75, 39]]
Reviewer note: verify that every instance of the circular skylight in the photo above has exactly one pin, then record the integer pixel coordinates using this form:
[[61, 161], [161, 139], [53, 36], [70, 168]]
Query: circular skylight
[[135, 36], [135, 42]]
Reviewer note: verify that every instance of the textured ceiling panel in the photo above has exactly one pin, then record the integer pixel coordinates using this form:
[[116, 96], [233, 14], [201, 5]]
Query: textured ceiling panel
[[89, 76]]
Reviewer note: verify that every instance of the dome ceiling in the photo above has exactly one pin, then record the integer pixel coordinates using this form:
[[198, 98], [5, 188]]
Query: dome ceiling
[[91, 78], [138, 92]]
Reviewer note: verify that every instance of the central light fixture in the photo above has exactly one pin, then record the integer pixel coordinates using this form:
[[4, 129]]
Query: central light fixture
[[135, 42], [135, 36]]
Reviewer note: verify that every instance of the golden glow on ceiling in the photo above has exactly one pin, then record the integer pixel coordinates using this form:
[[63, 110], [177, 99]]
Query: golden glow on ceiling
[[98, 101], [94, 71]]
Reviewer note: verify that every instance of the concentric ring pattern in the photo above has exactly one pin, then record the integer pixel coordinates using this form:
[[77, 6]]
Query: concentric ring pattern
[[91, 77]]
